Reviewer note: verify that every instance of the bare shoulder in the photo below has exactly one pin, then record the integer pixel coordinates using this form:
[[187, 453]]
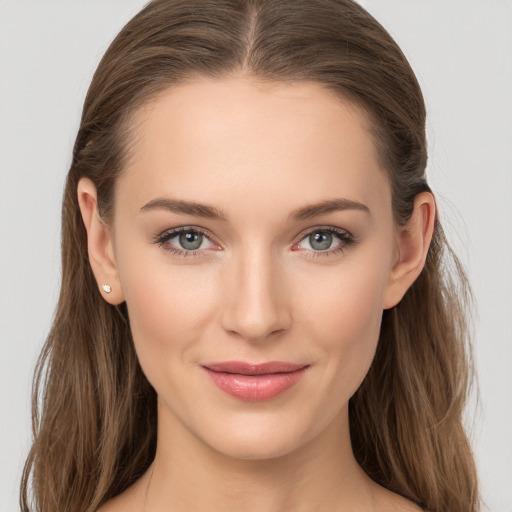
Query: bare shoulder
[[388, 501], [118, 504], [401, 504], [131, 500]]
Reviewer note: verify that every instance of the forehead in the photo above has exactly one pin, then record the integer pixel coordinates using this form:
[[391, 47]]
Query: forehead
[[225, 140]]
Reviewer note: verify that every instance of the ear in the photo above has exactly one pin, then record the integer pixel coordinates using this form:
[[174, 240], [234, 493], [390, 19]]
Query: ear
[[99, 243], [413, 243]]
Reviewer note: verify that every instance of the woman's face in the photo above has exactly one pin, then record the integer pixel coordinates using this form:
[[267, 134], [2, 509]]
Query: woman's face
[[253, 224]]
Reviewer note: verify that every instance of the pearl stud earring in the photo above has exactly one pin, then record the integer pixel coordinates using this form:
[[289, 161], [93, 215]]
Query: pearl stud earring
[[107, 288]]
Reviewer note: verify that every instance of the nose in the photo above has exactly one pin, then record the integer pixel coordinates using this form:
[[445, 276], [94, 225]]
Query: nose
[[255, 304]]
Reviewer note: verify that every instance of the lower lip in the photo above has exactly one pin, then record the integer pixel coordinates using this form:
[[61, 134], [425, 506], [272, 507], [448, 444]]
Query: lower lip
[[255, 388]]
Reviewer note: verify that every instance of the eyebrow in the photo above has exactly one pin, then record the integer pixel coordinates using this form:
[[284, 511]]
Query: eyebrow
[[186, 208], [328, 206], [210, 212]]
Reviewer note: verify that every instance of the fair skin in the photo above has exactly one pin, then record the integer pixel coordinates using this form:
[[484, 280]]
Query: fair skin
[[257, 288]]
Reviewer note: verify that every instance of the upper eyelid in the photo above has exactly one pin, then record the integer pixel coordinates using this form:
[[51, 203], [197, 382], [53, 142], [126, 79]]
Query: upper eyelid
[[339, 231], [212, 238], [181, 229]]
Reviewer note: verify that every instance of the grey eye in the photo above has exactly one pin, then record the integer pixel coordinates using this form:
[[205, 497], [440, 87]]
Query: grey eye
[[190, 240], [320, 240]]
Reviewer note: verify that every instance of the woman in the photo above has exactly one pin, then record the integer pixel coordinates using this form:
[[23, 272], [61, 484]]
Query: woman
[[258, 306]]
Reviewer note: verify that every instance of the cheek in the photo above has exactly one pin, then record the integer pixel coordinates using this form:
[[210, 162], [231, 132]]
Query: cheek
[[168, 306], [337, 311], [344, 318]]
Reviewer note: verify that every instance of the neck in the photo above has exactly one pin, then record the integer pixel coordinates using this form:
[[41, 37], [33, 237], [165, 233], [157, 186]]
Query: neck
[[322, 474]]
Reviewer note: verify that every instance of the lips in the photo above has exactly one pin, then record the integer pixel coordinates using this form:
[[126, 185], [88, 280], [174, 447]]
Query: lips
[[254, 382]]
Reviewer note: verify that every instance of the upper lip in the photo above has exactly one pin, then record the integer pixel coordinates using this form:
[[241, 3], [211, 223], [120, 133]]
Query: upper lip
[[244, 368]]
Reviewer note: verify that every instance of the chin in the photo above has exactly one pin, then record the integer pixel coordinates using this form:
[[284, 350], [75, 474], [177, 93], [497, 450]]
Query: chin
[[256, 449], [261, 438]]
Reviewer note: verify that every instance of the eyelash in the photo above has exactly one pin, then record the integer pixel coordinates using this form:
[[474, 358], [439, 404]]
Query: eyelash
[[169, 235], [343, 236]]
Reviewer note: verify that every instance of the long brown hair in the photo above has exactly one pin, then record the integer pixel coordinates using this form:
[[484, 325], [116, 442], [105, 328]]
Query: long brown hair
[[94, 412]]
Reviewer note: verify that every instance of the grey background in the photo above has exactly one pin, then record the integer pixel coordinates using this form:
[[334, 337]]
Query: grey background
[[461, 51]]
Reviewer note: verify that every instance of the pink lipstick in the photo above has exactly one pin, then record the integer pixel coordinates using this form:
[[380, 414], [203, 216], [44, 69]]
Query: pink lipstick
[[254, 382]]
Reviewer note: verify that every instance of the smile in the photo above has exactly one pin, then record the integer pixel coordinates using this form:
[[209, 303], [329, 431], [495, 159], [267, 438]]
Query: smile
[[254, 382]]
